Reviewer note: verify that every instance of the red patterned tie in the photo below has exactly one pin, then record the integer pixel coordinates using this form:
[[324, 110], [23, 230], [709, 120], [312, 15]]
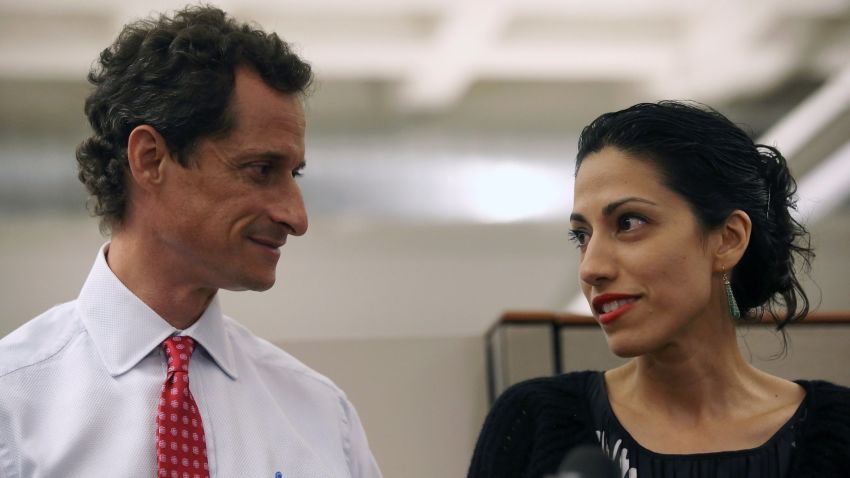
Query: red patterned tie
[[181, 450]]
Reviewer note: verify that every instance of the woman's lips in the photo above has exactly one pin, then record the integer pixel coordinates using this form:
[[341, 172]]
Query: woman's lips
[[609, 317], [611, 306]]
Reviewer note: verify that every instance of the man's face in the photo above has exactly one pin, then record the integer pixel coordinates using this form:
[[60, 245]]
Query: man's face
[[226, 216]]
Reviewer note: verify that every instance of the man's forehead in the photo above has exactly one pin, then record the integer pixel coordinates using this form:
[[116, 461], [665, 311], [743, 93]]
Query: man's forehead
[[256, 104]]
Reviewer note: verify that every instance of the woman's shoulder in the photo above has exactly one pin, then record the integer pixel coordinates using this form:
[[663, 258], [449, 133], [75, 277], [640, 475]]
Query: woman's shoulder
[[823, 447], [829, 405], [827, 397], [532, 424], [824, 386], [550, 406]]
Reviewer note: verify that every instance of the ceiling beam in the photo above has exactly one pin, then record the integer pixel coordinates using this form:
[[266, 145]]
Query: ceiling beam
[[444, 72], [825, 188], [797, 128], [572, 8]]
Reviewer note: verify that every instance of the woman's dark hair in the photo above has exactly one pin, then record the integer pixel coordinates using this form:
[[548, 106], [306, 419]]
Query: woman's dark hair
[[175, 74], [717, 168]]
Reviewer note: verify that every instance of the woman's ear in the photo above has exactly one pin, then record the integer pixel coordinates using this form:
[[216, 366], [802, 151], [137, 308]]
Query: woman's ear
[[146, 156], [734, 236]]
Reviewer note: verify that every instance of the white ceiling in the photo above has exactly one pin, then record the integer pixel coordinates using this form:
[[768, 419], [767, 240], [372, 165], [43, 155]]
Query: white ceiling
[[433, 51], [464, 96]]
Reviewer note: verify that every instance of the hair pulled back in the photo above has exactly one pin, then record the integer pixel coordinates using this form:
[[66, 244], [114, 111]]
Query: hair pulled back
[[176, 74], [717, 168]]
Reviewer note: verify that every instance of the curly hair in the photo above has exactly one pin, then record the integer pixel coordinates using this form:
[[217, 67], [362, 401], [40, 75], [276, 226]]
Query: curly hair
[[717, 168], [176, 74]]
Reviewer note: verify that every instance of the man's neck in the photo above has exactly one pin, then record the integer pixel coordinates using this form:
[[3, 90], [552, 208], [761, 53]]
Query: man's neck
[[156, 279]]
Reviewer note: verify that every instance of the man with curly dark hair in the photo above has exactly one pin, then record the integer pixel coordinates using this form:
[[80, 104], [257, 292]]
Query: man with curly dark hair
[[198, 138]]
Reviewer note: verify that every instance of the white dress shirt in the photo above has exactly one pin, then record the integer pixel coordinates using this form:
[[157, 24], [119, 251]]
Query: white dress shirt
[[79, 387]]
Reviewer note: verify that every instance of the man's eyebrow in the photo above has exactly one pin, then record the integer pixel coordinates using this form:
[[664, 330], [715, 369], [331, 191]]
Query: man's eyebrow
[[271, 155], [610, 208], [275, 156]]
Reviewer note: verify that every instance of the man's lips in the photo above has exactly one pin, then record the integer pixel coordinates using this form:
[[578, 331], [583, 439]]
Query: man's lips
[[611, 306], [270, 243]]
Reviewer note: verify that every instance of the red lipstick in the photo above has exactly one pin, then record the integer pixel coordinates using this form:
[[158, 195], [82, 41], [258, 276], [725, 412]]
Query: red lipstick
[[627, 302]]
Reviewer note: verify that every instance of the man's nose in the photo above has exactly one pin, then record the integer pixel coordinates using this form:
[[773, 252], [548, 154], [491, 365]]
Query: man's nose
[[288, 208]]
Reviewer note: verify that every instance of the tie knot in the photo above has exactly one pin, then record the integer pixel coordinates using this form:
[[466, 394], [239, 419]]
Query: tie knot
[[178, 350]]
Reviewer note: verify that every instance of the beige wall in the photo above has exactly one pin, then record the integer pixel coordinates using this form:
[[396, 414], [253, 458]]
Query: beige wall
[[422, 401], [396, 317], [814, 351]]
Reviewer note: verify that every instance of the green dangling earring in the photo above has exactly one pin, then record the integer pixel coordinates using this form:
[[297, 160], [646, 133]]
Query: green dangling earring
[[730, 298]]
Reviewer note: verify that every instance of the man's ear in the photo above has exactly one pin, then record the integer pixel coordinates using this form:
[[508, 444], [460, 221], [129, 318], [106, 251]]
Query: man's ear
[[734, 236], [147, 155]]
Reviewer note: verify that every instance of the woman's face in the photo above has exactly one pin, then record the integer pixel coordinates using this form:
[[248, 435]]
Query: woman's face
[[645, 268]]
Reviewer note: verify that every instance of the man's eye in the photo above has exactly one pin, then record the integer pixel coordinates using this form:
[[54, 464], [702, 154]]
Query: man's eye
[[297, 173], [262, 169], [629, 222]]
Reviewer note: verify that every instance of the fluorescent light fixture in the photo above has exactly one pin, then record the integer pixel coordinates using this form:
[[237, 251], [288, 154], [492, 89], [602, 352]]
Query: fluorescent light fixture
[[824, 188], [810, 117], [512, 191]]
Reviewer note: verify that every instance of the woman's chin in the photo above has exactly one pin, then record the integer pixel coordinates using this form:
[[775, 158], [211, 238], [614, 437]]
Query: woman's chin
[[626, 349]]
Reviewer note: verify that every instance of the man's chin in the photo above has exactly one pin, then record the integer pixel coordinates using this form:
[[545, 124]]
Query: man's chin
[[263, 287], [254, 284]]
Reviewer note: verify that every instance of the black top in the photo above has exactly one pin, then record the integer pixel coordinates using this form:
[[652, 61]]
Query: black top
[[770, 460], [535, 423]]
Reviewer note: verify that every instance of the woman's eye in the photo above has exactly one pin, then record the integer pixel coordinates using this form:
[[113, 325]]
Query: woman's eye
[[629, 222], [579, 237]]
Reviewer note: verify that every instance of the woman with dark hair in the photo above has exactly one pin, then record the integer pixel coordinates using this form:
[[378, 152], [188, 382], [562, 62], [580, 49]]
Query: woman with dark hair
[[685, 229]]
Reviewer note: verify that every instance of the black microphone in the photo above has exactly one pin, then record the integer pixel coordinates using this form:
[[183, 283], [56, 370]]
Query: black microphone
[[588, 462]]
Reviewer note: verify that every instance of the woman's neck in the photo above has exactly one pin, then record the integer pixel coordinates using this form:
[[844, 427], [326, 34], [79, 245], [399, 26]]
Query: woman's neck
[[695, 379], [699, 400]]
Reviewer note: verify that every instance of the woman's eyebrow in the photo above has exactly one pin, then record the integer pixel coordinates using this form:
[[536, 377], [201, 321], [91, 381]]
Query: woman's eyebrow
[[610, 208], [577, 217]]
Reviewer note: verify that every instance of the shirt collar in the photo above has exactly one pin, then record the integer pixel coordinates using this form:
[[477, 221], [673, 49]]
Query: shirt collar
[[125, 330], [209, 331]]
